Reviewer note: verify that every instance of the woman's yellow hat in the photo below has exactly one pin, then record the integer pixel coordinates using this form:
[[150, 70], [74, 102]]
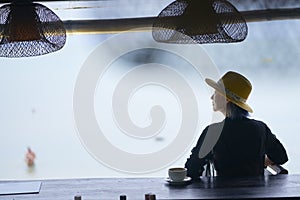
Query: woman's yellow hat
[[235, 87]]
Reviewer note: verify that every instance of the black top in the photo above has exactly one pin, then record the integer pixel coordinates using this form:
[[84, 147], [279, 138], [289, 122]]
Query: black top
[[240, 149]]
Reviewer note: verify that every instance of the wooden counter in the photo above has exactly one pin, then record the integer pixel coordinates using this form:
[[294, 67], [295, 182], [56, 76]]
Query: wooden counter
[[268, 187]]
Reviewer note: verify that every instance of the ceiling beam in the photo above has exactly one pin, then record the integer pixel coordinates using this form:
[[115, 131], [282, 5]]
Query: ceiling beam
[[105, 26]]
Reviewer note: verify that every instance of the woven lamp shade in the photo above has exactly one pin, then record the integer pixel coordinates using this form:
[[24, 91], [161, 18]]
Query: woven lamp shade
[[199, 21], [29, 29]]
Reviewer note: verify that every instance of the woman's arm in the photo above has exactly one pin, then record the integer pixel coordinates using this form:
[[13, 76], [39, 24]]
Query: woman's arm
[[275, 151], [195, 165]]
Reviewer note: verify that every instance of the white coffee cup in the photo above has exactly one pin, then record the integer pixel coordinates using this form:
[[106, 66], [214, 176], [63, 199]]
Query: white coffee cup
[[177, 173]]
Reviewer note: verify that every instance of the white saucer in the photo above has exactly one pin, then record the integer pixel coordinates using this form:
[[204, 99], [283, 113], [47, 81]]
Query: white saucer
[[185, 181]]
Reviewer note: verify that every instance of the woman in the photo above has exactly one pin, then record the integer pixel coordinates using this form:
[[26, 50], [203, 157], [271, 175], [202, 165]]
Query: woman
[[244, 146]]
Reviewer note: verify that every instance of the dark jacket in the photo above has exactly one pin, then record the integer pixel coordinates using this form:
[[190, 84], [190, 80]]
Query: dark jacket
[[240, 149]]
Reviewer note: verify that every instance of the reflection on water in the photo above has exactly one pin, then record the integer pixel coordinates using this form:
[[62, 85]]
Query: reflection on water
[[31, 170]]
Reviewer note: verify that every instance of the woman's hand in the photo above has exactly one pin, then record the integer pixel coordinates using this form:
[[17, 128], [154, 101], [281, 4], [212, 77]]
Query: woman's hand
[[268, 161]]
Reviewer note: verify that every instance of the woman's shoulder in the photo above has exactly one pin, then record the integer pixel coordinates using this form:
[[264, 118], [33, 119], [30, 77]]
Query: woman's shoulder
[[257, 122], [216, 125], [245, 120]]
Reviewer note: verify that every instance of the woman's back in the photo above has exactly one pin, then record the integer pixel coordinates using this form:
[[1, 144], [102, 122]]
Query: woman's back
[[241, 148]]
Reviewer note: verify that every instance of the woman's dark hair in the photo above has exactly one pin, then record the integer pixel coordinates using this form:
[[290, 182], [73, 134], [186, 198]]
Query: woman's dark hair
[[236, 112]]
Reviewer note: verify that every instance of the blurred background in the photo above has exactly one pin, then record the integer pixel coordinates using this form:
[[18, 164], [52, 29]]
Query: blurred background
[[36, 93]]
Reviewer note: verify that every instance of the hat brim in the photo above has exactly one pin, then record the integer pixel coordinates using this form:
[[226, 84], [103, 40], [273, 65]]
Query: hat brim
[[220, 89]]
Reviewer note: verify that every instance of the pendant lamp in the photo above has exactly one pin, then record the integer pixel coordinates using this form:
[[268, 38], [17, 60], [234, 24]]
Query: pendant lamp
[[199, 21], [29, 29]]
